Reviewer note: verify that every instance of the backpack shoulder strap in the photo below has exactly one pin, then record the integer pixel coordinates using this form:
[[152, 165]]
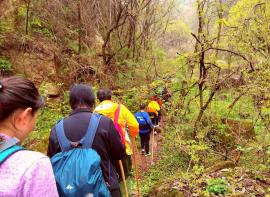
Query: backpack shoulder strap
[[8, 143], [87, 140], [116, 124], [8, 148], [64, 143], [145, 119], [117, 114]]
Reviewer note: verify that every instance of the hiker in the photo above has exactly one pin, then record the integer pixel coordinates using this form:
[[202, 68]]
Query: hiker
[[159, 101], [153, 109], [145, 126], [106, 141], [165, 94], [122, 118], [22, 173]]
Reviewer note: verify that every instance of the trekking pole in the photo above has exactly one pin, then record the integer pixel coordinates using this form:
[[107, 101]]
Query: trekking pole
[[123, 177], [134, 147], [153, 141]]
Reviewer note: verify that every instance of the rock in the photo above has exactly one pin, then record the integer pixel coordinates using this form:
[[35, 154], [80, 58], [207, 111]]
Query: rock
[[54, 91], [173, 193], [54, 100], [54, 95]]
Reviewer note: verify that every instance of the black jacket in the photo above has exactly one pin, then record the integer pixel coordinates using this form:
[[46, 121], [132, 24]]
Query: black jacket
[[107, 142]]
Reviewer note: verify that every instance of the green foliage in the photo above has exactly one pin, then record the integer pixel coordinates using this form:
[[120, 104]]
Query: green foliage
[[160, 54], [123, 77], [178, 26], [247, 5], [217, 186], [36, 22], [5, 26], [144, 70], [21, 12], [5, 64], [48, 116], [42, 26], [160, 173], [39, 138], [132, 100], [74, 46]]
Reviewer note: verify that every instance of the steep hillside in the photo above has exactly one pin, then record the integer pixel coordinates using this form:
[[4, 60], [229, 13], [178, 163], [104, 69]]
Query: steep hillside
[[38, 54]]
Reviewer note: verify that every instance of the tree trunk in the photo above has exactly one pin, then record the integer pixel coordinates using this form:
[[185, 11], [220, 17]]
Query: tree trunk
[[220, 16], [27, 17], [80, 27]]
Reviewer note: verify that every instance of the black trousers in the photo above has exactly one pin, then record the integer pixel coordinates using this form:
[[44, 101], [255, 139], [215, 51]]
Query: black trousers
[[145, 138], [154, 118], [127, 165]]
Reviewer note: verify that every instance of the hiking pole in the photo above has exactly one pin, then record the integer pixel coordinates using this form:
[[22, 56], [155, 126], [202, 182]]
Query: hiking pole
[[123, 177], [153, 141], [134, 147]]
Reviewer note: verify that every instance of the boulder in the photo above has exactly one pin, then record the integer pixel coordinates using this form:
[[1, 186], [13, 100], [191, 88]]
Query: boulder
[[54, 91]]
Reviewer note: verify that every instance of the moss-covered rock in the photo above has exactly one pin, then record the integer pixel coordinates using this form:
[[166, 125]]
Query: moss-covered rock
[[220, 165], [54, 91]]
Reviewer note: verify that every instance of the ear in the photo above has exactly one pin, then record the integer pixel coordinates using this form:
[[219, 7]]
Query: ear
[[22, 116]]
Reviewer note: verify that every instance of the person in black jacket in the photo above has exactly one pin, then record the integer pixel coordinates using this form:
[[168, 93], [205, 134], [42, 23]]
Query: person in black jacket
[[107, 141]]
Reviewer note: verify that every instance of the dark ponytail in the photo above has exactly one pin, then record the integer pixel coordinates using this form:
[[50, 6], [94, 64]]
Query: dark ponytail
[[18, 93]]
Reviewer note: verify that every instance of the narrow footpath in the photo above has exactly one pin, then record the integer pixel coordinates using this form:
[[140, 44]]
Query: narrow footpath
[[145, 162]]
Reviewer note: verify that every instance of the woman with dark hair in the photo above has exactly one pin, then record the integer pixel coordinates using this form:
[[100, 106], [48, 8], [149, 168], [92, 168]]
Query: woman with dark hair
[[106, 142], [22, 173]]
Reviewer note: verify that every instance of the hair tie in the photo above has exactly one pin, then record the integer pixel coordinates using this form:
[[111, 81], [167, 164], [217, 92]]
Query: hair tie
[[1, 86]]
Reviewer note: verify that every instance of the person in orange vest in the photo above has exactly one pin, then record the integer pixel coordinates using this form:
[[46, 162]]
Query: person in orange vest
[[123, 120], [153, 109]]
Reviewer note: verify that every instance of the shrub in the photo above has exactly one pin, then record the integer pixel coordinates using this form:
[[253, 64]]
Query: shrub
[[5, 64], [217, 186]]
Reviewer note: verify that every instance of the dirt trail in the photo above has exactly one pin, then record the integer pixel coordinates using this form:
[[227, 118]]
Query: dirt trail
[[144, 162]]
